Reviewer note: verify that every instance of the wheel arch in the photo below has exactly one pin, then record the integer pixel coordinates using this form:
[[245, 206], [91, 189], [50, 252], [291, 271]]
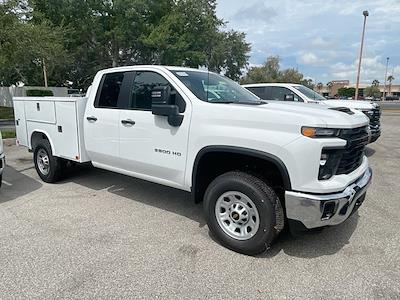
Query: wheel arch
[[39, 135], [198, 191]]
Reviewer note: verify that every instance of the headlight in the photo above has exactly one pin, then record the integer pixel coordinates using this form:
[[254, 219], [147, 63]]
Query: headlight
[[318, 132]]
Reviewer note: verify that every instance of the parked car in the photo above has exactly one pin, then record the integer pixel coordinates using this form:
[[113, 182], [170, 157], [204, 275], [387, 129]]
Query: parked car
[[2, 159], [257, 166], [300, 93], [392, 98]]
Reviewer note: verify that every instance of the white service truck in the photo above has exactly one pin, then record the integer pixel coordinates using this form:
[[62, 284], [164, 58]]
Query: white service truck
[[301, 93], [256, 165]]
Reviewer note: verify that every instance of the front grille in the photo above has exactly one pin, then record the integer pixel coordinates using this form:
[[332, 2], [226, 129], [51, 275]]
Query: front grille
[[374, 116], [352, 155]]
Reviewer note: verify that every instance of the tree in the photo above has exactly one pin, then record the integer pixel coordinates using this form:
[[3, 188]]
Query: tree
[[390, 79], [270, 72], [25, 46], [106, 33], [375, 82], [320, 86], [372, 91], [346, 92], [230, 54]]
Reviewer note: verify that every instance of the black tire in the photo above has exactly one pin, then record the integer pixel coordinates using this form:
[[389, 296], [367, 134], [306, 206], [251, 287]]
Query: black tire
[[54, 163], [271, 216]]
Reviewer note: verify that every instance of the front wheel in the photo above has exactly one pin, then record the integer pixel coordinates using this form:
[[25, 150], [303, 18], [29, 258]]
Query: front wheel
[[243, 212], [47, 166]]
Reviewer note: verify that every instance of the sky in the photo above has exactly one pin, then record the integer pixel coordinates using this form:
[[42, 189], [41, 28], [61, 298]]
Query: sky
[[321, 38]]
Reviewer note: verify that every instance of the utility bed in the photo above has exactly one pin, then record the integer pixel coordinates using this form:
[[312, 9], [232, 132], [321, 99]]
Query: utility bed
[[60, 118]]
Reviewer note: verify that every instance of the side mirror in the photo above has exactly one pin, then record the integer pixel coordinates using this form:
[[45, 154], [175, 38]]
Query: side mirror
[[161, 105], [289, 97], [161, 95]]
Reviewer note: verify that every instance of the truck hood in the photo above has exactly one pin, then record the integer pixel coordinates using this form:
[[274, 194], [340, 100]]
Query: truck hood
[[355, 104], [324, 115]]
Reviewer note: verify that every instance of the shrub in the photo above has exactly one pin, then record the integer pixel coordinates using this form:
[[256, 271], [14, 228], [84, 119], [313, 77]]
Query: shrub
[[39, 93]]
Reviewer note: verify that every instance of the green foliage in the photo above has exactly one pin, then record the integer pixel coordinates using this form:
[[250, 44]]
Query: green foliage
[[229, 54], [99, 34], [346, 92], [270, 72], [6, 113], [8, 134], [39, 93], [372, 91], [24, 46]]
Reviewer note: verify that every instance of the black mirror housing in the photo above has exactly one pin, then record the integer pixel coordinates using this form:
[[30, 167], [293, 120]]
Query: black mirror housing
[[161, 105], [161, 95]]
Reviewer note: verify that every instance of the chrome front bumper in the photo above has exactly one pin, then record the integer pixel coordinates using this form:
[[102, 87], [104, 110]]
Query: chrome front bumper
[[326, 209]]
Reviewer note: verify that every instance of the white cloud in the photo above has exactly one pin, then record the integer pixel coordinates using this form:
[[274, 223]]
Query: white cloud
[[311, 59], [371, 68], [322, 38], [320, 42]]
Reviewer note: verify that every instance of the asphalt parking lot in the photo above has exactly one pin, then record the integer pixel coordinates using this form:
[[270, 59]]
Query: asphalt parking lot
[[101, 235]]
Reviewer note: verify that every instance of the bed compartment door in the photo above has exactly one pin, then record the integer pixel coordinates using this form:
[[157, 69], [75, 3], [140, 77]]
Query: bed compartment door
[[20, 123], [66, 135]]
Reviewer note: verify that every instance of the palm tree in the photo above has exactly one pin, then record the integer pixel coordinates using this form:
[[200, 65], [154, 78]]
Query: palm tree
[[375, 82], [390, 79], [329, 85]]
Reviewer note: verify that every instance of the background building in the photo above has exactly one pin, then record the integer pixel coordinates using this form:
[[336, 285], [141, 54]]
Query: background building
[[331, 90]]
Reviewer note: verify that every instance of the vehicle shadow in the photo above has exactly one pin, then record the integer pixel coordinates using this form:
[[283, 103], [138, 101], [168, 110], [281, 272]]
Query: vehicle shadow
[[369, 151], [310, 244], [15, 184], [166, 198]]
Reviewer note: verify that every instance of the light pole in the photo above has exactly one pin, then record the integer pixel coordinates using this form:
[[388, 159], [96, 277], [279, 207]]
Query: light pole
[[384, 88], [365, 14]]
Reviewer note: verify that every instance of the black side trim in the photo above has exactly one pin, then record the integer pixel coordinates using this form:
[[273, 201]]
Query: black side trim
[[245, 151]]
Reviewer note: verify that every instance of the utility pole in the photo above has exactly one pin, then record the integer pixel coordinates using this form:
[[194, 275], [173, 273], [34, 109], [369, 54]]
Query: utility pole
[[365, 14], [384, 88], [44, 73]]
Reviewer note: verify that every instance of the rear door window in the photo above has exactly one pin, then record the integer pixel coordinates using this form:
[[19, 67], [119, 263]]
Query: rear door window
[[259, 91], [278, 93], [109, 92]]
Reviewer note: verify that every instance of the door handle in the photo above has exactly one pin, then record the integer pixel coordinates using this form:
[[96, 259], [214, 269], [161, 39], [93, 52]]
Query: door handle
[[91, 119], [128, 122]]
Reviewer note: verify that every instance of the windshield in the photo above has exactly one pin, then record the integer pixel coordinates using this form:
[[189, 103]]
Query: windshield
[[211, 87], [309, 93]]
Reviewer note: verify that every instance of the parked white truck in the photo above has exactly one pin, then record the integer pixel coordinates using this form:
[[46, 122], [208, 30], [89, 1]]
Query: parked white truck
[[2, 160], [256, 165], [301, 93]]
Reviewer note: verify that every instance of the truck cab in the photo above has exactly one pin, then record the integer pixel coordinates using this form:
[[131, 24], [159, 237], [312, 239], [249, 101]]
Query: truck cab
[[256, 165], [301, 93]]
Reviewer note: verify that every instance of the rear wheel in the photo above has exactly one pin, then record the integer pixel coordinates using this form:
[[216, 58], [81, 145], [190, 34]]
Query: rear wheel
[[243, 212], [47, 166]]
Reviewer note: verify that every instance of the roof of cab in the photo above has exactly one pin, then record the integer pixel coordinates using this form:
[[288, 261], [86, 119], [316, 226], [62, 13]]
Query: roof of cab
[[160, 67], [270, 84]]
